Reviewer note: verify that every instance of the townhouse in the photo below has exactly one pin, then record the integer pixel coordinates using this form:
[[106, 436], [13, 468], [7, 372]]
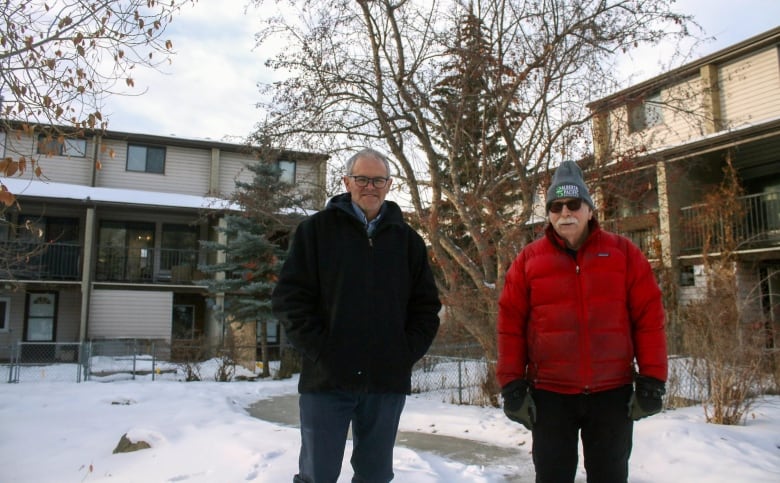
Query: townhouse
[[662, 146], [104, 244]]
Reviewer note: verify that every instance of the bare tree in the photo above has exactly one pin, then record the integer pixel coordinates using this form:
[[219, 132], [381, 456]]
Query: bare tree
[[725, 343], [61, 59], [474, 100]]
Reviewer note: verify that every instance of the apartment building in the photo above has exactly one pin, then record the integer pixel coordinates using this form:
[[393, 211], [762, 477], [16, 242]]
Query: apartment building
[[104, 244], [661, 147]]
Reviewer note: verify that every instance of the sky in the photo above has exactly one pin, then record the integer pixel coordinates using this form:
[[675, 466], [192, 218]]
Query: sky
[[210, 89], [53, 431]]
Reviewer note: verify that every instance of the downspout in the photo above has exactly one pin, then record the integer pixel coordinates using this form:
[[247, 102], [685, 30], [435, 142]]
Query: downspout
[[89, 245]]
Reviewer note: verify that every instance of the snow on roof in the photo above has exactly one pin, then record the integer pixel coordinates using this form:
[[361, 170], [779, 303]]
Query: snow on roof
[[44, 189]]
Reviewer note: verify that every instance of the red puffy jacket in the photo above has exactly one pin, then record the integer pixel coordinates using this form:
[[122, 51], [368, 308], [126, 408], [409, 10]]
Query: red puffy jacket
[[578, 326]]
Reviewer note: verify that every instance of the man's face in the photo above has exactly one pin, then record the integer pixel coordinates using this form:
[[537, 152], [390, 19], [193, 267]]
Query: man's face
[[571, 224], [369, 198]]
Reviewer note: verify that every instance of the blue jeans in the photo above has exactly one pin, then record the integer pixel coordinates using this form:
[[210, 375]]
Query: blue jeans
[[325, 420]]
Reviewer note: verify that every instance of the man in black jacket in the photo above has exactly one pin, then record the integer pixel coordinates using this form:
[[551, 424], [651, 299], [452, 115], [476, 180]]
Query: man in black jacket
[[357, 298]]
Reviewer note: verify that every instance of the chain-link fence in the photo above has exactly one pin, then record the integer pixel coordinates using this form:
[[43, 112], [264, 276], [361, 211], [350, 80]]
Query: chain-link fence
[[453, 379], [43, 361]]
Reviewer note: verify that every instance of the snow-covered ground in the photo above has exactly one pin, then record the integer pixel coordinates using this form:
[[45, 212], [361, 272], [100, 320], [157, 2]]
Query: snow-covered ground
[[201, 432]]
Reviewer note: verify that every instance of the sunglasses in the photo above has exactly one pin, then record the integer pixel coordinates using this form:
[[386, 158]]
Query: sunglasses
[[572, 205]]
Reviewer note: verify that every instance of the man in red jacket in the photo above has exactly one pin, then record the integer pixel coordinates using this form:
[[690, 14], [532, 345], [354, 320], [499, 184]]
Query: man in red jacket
[[580, 323]]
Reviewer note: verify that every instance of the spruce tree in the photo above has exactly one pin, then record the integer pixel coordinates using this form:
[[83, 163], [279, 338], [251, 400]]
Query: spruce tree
[[254, 244]]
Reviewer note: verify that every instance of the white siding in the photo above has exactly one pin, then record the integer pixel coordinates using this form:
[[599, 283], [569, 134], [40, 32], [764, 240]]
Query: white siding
[[186, 171], [68, 315], [71, 170], [232, 167], [61, 169], [15, 322], [139, 314], [750, 88]]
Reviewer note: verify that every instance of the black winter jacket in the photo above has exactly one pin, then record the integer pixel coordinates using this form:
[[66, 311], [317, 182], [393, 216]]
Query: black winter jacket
[[361, 310]]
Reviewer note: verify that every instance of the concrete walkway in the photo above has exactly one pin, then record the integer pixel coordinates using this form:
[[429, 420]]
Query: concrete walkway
[[284, 410]]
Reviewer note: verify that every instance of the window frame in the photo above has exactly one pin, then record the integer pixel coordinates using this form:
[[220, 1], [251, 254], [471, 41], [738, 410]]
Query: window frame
[[5, 313], [288, 175], [645, 113], [147, 168], [70, 147]]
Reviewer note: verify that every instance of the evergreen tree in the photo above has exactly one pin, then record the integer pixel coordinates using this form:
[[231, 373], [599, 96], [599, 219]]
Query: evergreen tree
[[253, 243]]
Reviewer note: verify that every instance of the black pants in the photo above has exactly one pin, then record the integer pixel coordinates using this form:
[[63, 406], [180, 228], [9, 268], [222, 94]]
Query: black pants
[[602, 420]]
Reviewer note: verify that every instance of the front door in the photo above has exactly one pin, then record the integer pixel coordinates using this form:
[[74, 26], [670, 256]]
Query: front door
[[40, 325]]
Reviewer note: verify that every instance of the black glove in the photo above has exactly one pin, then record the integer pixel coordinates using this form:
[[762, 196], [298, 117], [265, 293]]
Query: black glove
[[518, 404], [647, 399]]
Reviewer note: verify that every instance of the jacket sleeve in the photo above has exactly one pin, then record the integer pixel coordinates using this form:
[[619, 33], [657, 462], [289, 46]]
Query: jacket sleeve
[[422, 321], [513, 306], [647, 315], [295, 297]]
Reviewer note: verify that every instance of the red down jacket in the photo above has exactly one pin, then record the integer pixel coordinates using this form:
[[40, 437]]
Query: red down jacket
[[578, 326]]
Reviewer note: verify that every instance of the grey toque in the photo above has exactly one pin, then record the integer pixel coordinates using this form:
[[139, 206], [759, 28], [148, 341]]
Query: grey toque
[[568, 182]]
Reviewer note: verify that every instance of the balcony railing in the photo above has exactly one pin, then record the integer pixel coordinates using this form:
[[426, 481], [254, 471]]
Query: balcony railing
[[62, 261], [641, 229], [40, 261], [146, 265], [758, 225]]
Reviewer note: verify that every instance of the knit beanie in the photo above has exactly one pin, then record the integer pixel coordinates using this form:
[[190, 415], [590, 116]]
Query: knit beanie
[[567, 182]]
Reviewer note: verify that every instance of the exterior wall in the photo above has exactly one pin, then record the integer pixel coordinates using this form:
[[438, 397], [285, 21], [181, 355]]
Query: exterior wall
[[750, 88], [748, 92], [749, 291], [68, 315], [682, 115], [232, 168], [15, 330], [117, 314], [63, 169], [68, 169], [186, 171], [309, 177], [695, 291]]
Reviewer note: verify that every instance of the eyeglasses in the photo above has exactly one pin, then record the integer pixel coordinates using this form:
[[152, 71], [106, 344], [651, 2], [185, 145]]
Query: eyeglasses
[[572, 205], [362, 181]]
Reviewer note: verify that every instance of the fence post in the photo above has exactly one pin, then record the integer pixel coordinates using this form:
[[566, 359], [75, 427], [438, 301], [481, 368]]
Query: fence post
[[88, 361], [460, 381], [154, 360], [13, 371], [135, 351]]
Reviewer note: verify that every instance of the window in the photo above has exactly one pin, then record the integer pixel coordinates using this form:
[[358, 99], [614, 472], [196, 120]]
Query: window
[[5, 311], [41, 316], [145, 159], [272, 331], [58, 146], [183, 322], [125, 251], [179, 249], [687, 278], [288, 171], [645, 113]]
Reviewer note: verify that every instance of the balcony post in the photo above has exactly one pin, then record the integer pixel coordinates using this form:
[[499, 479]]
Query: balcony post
[[664, 215], [86, 271]]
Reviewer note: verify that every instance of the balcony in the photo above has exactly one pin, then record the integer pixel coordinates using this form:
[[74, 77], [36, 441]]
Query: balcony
[[642, 230], [759, 227], [40, 261], [146, 265]]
